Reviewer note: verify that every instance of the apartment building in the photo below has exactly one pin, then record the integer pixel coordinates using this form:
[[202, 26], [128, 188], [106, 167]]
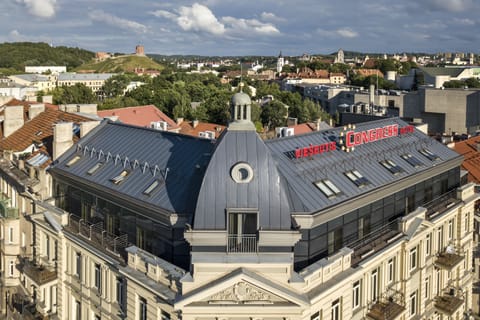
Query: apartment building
[[94, 81], [367, 222]]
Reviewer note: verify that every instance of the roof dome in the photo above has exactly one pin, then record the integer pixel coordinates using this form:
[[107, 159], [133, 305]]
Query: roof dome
[[241, 99]]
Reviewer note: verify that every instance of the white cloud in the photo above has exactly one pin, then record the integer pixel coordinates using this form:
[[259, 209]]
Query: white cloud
[[16, 35], [164, 14], [40, 8], [109, 19], [249, 25], [464, 22], [347, 33], [269, 16], [199, 18], [450, 5]]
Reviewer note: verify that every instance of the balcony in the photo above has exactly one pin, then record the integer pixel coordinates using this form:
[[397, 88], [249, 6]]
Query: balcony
[[242, 243], [449, 303], [378, 239], [96, 236], [6, 211], [441, 204], [389, 307], [449, 259], [37, 273]]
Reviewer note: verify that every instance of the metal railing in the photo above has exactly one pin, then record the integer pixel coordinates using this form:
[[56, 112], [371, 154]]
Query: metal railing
[[38, 273], [441, 204], [242, 243]]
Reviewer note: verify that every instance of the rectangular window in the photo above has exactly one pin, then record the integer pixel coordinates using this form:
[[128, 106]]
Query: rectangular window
[[142, 308], [118, 179], [77, 310], [450, 229], [356, 294], [391, 166], [413, 258], [427, 288], [357, 178], [164, 315], [10, 235], [335, 240], [78, 265], [391, 270], [428, 244], [328, 188], [315, 316], [440, 239], [98, 277], [413, 304], [414, 162], [242, 230], [94, 169], [336, 310], [151, 187], [375, 284], [73, 161], [11, 268], [119, 291], [466, 222], [428, 154]]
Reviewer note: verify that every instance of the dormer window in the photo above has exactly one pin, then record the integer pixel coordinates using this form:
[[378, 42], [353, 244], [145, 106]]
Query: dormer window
[[73, 161], [118, 179], [242, 231]]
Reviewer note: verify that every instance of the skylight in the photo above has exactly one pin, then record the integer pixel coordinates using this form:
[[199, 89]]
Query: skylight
[[414, 162], [391, 166], [118, 179], [73, 161], [151, 187], [94, 169], [357, 178], [328, 188], [430, 155]]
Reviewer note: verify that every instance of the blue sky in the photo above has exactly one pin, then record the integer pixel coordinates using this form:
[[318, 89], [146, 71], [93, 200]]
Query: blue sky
[[246, 27]]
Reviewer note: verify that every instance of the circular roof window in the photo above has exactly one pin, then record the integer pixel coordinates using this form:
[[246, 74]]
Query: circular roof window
[[241, 173]]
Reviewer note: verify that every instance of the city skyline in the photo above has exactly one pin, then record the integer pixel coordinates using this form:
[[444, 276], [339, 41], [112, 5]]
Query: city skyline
[[227, 27]]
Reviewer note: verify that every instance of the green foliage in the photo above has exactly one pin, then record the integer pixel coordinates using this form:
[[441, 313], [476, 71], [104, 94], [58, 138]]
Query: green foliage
[[119, 64], [467, 83], [79, 93], [365, 82], [20, 54], [274, 114]]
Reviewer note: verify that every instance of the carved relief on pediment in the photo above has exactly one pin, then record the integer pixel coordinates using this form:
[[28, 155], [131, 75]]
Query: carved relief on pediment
[[243, 293]]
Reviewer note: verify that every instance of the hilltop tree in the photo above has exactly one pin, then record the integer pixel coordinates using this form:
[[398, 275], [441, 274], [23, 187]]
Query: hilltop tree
[[78, 93]]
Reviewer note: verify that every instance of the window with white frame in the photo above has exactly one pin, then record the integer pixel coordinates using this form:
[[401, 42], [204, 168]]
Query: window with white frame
[[77, 310], [356, 294], [315, 316], [427, 288], [374, 284], [164, 315], [413, 258], [10, 235], [142, 308], [439, 239], [119, 291], [450, 229], [336, 310], [413, 304], [11, 268], [466, 222], [24, 240], [391, 270], [428, 244], [78, 265]]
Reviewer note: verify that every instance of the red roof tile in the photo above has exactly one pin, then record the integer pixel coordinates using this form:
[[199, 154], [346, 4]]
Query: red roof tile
[[187, 128], [139, 116], [470, 149]]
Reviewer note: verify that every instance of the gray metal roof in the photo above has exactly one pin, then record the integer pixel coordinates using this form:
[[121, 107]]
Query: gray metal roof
[[264, 194], [176, 161], [301, 173], [84, 76]]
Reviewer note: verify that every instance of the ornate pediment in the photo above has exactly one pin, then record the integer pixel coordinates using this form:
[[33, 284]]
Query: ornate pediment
[[244, 293]]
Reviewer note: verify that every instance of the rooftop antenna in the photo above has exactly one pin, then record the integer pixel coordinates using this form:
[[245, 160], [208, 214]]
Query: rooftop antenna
[[241, 77]]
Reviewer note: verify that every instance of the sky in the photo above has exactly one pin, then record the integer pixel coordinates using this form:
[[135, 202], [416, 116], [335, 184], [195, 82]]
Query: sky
[[246, 27]]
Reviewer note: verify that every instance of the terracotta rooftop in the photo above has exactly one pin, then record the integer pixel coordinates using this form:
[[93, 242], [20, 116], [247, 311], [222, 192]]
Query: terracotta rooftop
[[309, 127], [369, 72], [139, 116], [470, 149], [39, 129], [186, 127]]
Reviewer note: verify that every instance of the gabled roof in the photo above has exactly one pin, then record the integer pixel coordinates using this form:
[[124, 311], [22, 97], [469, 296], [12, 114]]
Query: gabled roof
[[139, 116], [470, 149], [302, 173], [308, 127], [38, 129], [177, 162], [188, 128]]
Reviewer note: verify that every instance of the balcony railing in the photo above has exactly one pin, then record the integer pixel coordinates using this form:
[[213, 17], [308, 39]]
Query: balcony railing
[[389, 307], [98, 237], [441, 204], [449, 259], [378, 239], [37, 273], [449, 303], [242, 243]]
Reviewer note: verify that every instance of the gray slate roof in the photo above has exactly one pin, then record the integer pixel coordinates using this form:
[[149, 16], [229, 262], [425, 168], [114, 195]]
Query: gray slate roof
[[129, 147], [84, 76], [302, 173]]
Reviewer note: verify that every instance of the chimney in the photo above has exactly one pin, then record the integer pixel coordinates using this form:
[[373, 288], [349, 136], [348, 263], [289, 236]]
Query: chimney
[[372, 94], [35, 109], [478, 146], [62, 138], [47, 99], [86, 127], [90, 108], [319, 121], [179, 121], [13, 119], [195, 123]]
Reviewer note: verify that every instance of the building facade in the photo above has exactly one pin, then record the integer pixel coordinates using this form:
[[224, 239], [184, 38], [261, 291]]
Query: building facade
[[367, 222]]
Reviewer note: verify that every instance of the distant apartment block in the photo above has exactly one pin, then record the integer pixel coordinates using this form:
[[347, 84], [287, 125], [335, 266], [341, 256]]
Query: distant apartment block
[[94, 81], [45, 69]]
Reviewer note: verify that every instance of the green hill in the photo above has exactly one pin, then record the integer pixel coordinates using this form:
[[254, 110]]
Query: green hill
[[15, 56], [120, 64]]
